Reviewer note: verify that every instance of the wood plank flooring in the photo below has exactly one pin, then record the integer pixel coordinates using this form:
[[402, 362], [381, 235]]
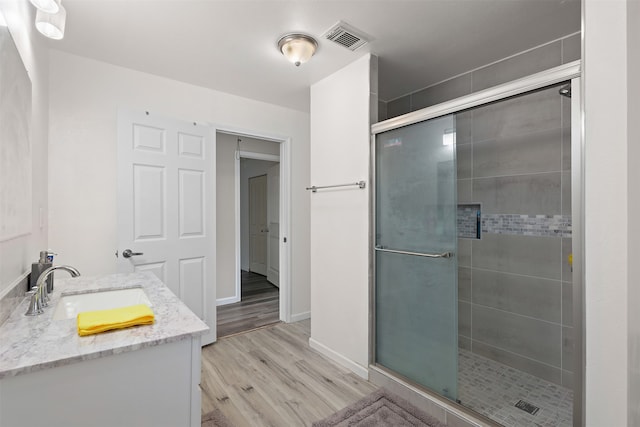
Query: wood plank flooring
[[271, 377], [259, 306]]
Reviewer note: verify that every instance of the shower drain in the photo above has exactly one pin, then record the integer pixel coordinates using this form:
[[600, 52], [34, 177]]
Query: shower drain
[[527, 407]]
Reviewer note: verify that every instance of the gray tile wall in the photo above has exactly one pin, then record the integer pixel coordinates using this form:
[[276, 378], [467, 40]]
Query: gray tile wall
[[514, 290], [517, 66], [514, 157]]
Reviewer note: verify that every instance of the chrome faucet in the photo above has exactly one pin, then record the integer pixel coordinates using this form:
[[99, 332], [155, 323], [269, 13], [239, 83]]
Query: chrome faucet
[[39, 294]]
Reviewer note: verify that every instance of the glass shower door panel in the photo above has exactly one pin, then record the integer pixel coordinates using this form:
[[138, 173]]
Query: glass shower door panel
[[416, 293]]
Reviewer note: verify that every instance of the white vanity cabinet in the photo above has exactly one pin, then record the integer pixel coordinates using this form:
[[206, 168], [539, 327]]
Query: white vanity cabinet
[[145, 376], [151, 387]]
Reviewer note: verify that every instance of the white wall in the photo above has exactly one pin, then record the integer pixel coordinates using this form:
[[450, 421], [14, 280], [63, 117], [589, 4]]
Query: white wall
[[16, 255], [84, 98], [633, 161], [340, 129], [606, 204], [338, 284], [248, 169], [226, 216]]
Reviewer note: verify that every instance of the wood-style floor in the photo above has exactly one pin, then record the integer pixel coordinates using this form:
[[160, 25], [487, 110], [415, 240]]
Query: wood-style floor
[[259, 306], [271, 377]]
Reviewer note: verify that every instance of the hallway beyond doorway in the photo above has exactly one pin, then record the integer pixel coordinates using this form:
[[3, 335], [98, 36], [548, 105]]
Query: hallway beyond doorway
[[259, 306]]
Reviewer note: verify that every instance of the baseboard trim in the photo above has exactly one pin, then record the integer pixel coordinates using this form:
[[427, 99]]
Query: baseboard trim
[[300, 316], [356, 368], [228, 300]]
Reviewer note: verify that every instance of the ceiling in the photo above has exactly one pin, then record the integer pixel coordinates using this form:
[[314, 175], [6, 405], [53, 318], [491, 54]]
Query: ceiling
[[230, 46]]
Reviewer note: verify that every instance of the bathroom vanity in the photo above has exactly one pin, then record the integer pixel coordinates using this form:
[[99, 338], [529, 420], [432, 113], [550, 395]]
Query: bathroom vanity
[[140, 376]]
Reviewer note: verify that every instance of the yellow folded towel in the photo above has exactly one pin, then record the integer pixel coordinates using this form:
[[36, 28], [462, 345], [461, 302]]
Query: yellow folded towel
[[94, 322]]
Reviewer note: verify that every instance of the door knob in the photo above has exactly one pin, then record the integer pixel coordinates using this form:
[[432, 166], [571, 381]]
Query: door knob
[[128, 253]]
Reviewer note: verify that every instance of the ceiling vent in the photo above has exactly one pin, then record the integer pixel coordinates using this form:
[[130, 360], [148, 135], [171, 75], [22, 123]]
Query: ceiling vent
[[347, 36]]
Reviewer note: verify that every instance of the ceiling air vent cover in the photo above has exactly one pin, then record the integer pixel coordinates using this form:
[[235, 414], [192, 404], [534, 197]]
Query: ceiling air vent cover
[[347, 36]]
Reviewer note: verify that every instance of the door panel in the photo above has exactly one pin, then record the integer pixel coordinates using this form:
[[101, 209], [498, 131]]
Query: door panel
[[148, 138], [192, 203], [191, 282], [191, 145], [416, 295], [149, 194], [156, 268], [273, 219], [258, 224], [166, 206]]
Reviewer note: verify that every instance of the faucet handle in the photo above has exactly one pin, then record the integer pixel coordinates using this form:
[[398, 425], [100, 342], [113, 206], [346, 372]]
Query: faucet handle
[[35, 305], [39, 296], [44, 295]]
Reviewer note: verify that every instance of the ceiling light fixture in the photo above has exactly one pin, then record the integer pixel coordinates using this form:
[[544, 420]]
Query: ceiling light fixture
[[297, 48], [48, 6], [52, 24]]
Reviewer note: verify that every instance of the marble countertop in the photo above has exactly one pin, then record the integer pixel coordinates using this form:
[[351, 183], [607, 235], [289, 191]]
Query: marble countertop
[[32, 343]]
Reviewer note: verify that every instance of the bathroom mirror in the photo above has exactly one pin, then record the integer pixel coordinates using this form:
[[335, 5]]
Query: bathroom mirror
[[15, 141]]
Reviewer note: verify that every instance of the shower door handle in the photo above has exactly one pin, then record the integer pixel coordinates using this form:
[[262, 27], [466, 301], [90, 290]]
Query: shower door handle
[[393, 251]]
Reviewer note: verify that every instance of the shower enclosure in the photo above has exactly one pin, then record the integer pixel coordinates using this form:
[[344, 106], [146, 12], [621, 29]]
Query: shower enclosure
[[476, 251]]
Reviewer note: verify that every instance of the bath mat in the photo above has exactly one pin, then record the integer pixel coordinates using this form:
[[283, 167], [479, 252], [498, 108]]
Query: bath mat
[[380, 408], [215, 418]]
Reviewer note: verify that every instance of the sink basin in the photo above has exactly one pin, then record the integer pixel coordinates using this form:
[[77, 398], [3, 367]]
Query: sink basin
[[70, 305]]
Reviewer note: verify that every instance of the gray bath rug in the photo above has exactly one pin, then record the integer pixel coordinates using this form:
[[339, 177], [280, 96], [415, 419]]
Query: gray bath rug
[[380, 408], [215, 418]]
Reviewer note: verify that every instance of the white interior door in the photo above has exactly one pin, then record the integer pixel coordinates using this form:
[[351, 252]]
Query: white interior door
[[273, 221], [258, 224], [166, 207]]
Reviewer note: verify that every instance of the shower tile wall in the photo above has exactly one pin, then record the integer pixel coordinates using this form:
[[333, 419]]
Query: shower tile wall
[[520, 65], [515, 288], [513, 158]]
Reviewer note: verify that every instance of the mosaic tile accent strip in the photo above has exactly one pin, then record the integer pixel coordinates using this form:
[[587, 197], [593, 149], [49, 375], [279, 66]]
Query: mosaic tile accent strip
[[468, 221], [494, 389], [522, 225], [527, 225]]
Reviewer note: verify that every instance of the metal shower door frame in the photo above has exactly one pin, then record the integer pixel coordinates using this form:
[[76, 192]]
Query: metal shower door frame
[[566, 72]]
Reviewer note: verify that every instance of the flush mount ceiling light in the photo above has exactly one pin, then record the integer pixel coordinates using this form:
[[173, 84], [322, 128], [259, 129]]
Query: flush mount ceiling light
[[297, 48], [52, 24], [48, 6]]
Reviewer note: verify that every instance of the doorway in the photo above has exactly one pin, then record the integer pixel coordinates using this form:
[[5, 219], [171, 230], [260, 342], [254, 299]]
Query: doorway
[[251, 168], [195, 209]]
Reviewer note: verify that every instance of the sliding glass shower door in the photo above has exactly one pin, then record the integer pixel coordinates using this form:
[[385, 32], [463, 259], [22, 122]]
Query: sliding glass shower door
[[415, 254]]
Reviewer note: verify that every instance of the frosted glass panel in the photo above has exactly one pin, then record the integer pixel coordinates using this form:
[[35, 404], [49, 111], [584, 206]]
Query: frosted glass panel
[[415, 186], [416, 296], [416, 320]]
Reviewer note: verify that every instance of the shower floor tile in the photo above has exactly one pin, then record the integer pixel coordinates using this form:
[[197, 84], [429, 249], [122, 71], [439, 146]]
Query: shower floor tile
[[493, 389]]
